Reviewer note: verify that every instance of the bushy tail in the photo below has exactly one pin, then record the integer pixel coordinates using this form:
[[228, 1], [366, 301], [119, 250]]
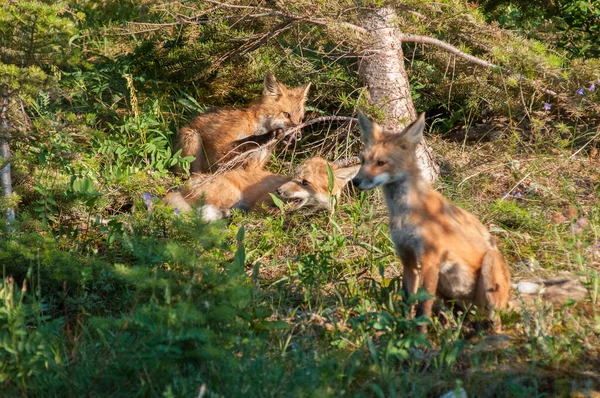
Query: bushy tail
[[211, 213], [177, 200], [551, 290]]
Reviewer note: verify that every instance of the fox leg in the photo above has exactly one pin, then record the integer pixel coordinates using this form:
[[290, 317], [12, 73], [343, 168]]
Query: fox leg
[[493, 287], [430, 270], [410, 276], [190, 143]]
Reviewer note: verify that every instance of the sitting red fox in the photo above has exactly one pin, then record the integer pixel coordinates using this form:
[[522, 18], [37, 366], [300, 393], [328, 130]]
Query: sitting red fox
[[248, 188], [459, 258], [215, 137]]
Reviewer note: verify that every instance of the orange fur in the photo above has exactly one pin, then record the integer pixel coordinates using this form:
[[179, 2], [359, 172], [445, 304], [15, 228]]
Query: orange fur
[[310, 184], [215, 137], [458, 257], [248, 188]]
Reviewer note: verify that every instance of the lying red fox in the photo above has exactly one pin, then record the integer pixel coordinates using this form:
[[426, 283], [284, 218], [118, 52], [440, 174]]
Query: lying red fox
[[459, 258], [249, 188]]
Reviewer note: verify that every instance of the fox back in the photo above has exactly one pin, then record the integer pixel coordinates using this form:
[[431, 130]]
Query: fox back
[[459, 258], [214, 137]]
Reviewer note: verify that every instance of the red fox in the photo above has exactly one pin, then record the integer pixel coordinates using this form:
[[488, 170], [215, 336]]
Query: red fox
[[215, 137], [249, 187], [459, 258]]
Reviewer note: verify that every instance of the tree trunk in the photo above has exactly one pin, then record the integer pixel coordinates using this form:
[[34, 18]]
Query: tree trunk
[[5, 178], [382, 70]]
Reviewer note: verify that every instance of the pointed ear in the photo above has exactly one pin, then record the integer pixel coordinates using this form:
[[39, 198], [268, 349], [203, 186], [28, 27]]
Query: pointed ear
[[366, 128], [347, 173], [370, 130], [304, 90], [414, 131], [272, 86]]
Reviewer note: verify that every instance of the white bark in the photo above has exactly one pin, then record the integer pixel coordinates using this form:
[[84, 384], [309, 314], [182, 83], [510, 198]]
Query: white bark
[[382, 70], [5, 177]]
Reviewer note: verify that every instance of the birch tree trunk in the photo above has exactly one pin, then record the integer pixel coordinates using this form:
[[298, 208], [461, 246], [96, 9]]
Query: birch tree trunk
[[382, 70], [5, 178]]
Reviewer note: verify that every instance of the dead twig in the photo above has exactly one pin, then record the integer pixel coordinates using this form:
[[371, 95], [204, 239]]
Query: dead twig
[[245, 155]]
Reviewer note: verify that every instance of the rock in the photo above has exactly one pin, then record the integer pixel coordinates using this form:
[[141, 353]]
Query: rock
[[492, 343]]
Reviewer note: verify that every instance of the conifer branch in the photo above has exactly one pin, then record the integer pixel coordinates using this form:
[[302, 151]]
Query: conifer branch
[[409, 38]]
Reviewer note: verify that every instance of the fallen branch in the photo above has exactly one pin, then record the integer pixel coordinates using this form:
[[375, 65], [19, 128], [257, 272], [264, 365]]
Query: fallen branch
[[233, 163], [288, 18]]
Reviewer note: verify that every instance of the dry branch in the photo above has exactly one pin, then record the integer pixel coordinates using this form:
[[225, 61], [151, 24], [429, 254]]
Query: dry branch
[[408, 38], [231, 164]]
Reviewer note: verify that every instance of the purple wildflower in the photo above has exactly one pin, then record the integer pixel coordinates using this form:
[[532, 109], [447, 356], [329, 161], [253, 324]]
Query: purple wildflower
[[580, 92], [517, 194], [176, 211], [578, 227], [148, 200], [547, 106], [598, 244], [592, 87]]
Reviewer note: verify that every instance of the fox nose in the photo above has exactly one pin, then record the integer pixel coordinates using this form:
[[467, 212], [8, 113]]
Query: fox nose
[[356, 181], [278, 190]]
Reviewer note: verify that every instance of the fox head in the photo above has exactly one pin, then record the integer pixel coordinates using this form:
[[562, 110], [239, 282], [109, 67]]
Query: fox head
[[282, 106], [310, 184], [388, 156]]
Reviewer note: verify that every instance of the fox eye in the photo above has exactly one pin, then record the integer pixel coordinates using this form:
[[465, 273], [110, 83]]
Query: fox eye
[[381, 163], [304, 182], [286, 114]]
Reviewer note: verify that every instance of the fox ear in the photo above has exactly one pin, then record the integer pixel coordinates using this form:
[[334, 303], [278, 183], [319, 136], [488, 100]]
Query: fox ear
[[414, 131], [272, 86], [347, 173], [304, 90], [370, 130]]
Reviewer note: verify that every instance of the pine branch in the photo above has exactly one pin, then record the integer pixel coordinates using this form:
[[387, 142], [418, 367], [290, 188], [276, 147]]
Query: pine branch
[[408, 38], [329, 23]]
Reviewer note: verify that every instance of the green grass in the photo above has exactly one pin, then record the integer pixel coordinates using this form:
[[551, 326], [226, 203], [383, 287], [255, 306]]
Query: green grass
[[102, 296], [296, 304]]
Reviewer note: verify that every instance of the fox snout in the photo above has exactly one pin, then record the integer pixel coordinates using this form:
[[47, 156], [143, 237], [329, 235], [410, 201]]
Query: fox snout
[[366, 182], [362, 183], [286, 190]]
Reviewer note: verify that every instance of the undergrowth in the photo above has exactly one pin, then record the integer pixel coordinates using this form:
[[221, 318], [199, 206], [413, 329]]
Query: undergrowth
[[105, 292]]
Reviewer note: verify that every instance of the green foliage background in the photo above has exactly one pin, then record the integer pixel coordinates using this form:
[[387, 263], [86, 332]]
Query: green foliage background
[[107, 294]]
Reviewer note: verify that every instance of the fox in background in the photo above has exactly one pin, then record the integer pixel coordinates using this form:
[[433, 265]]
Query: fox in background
[[216, 136], [459, 258], [248, 188]]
